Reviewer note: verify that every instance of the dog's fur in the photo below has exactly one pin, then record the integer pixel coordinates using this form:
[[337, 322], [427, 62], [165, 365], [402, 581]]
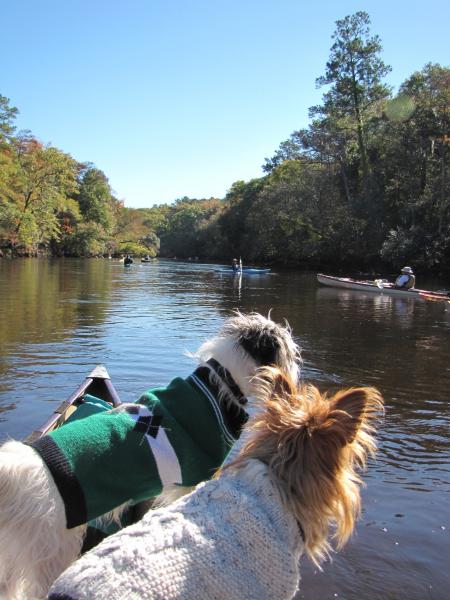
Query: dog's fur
[[35, 544], [241, 534]]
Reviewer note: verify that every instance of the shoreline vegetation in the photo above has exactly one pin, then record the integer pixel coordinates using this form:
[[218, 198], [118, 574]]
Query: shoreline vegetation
[[366, 185]]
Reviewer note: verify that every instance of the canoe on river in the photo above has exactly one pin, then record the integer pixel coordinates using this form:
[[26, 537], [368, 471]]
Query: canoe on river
[[97, 384], [379, 286]]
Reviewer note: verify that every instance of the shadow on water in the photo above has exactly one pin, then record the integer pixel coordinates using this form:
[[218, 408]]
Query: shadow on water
[[59, 318]]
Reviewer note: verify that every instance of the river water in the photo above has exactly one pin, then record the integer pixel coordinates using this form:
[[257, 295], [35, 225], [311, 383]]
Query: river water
[[59, 318]]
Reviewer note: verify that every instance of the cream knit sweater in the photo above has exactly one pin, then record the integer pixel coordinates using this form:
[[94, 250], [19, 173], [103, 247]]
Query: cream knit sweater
[[229, 539]]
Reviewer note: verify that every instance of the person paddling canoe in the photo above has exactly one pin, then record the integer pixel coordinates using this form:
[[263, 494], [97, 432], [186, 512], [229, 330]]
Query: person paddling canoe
[[406, 280]]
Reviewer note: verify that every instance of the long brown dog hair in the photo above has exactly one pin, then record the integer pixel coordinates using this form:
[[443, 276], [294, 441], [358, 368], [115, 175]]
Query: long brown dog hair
[[313, 445]]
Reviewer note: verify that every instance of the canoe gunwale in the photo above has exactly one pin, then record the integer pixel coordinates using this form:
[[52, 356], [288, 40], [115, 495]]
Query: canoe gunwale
[[97, 382]]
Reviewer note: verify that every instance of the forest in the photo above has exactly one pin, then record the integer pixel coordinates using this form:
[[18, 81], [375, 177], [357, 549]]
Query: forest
[[365, 185]]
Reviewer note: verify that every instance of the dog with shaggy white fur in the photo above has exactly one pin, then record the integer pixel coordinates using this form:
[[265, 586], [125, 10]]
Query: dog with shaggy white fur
[[169, 441], [241, 534]]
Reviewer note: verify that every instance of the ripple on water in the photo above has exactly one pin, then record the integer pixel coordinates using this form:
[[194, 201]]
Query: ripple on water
[[60, 318]]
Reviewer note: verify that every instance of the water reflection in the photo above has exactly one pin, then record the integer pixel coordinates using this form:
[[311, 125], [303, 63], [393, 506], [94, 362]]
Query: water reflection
[[59, 318], [46, 300], [380, 305], [237, 284]]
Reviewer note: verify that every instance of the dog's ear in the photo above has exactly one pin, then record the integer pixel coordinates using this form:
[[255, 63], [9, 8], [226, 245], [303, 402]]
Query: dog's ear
[[349, 409], [262, 346], [273, 390], [274, 383]]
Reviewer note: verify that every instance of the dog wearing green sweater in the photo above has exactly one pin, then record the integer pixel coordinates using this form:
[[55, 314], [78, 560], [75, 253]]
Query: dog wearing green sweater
[[173, 438]]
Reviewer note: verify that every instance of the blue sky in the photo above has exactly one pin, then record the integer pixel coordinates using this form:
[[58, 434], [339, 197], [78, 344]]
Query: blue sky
[[175, 98]]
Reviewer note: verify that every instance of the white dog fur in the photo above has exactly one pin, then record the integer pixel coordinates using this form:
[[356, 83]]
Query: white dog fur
[[35, 544]]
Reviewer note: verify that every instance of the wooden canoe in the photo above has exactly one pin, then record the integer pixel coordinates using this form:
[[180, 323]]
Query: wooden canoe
[[97, 383]]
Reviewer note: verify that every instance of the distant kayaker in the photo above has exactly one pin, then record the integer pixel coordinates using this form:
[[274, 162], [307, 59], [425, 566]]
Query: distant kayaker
[[235, 264], [406, 280]]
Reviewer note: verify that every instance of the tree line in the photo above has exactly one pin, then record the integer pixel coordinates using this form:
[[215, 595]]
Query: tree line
[[366, 184]]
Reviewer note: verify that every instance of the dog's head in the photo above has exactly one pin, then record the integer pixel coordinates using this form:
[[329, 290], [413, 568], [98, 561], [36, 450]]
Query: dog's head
[[313, 445], [249, 341]]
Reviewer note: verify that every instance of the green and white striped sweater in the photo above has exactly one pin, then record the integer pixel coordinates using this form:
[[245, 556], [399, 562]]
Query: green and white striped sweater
[[176, 435]]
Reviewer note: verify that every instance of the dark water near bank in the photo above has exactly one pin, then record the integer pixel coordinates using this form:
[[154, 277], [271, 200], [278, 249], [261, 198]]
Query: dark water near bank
[[60, 318]]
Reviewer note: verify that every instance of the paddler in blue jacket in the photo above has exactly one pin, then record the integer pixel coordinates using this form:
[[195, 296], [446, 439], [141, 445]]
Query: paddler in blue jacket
[[406, 280]]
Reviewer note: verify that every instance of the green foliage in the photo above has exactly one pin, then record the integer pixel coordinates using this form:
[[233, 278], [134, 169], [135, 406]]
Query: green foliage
[[151, 242], [354, 70], [356, 95], [135, 249], [383, 165], [234, 221], [95, 198], [44, 178], [88, 239], [400, 108], [7, 115], [188, 227], [137, 230]]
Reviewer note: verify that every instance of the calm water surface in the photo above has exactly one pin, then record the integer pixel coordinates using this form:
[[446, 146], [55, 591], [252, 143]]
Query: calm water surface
[[59, 318]]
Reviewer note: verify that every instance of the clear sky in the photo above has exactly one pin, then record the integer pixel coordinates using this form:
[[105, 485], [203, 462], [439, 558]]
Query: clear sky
[[175, 98]]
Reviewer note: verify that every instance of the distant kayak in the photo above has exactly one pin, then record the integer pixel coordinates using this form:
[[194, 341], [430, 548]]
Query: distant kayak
[[249, 270]]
